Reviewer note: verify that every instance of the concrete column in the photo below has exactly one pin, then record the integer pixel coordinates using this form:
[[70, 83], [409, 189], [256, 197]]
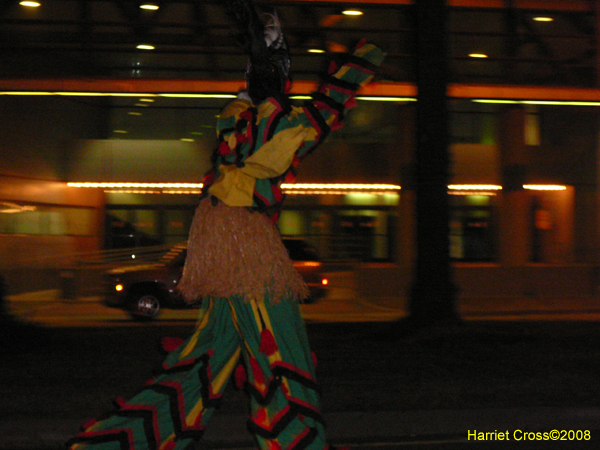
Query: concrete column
[[597, 12], [406, 249], [587, 247], [514, 237]]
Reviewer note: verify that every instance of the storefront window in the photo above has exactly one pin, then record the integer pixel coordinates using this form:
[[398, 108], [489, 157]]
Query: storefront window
[[28, 219], [340, 233], [471, 228], [177, 225], [473, 123]]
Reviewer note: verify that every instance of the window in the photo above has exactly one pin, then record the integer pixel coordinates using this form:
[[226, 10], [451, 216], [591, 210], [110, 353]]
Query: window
[[32, 219]]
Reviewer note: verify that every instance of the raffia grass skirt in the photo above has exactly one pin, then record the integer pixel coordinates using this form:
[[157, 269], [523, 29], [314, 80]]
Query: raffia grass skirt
[[232, 250]]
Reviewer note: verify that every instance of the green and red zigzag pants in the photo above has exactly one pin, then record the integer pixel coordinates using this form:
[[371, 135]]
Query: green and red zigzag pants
[[175, 406]]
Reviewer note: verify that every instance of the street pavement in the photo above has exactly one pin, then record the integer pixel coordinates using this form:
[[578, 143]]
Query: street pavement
[[342, 304], [416, 429], [448, 429]]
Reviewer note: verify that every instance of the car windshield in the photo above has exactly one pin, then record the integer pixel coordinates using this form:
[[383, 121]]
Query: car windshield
[[300, 251]]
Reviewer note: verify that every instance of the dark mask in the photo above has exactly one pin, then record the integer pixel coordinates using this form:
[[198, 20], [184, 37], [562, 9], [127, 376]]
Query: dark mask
[[267, 73]]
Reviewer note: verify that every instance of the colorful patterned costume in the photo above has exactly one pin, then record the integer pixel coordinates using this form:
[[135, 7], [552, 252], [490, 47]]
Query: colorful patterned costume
[[239, 269]]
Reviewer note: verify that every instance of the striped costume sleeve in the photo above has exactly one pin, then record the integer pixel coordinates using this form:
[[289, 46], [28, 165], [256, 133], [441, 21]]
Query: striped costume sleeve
[[259, 147], [335, 96]]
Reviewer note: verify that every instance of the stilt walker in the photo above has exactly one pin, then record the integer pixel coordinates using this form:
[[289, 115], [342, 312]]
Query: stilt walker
[[237, 267]]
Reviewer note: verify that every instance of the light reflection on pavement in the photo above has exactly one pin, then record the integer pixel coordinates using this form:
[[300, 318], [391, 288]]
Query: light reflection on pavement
[[47, 308], [340, 305]]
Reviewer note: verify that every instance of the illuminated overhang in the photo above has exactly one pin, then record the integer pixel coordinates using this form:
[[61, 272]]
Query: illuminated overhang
[[493, 189], [378, 91], [141, 188], [473, 189], [196, 188], [526, 95], [339, 188], [302, 188], [544, 187]]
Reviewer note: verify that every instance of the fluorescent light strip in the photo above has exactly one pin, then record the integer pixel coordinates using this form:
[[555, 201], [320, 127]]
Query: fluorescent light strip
[[486, 193], [175, 95], [364, 98], [341, 186], [196, 188], [474, 187], [135, 185], [186, 95], [320, 188], [26, 93], [535, 102], [80, 94], [494, 187], [386, 99], [294, 97], [544, 187], [312, 186]]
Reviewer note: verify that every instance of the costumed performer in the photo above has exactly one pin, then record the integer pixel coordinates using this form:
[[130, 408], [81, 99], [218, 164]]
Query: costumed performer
[[250, 323]]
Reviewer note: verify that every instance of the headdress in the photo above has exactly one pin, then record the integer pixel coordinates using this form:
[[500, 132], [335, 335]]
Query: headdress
[[267, 72]]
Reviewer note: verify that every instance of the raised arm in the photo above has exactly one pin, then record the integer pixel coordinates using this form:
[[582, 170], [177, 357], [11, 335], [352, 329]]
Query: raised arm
[[326, 110]]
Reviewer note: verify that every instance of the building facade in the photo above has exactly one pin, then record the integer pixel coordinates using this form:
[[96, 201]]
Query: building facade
[[81, 105]]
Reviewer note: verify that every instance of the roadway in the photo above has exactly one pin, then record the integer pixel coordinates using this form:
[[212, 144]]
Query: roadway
[[389, 430], [49, 309], [340, 305]]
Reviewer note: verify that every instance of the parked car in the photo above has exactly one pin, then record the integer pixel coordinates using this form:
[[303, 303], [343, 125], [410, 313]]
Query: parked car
[[143, 290]]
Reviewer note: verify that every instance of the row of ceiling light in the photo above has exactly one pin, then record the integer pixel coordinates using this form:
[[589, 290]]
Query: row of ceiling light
[[155, 7], [348, 12], [33, 4], [352, 12], [480, 55]]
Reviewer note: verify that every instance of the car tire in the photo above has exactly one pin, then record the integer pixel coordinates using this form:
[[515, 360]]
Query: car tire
[[144, 305]]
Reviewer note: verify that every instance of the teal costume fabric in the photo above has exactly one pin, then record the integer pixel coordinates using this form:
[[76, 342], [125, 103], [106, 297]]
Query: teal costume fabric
[[277, 372]]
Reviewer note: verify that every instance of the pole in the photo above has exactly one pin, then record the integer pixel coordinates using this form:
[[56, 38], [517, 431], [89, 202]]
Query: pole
[[432, 296]]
